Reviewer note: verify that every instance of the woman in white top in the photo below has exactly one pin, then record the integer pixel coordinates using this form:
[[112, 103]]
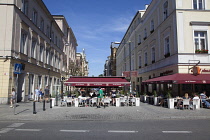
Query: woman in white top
[[13, 97]]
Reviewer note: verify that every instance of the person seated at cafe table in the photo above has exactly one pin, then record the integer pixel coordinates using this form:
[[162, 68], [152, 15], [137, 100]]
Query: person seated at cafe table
[[195, 97], [180, 101], [203, 98]]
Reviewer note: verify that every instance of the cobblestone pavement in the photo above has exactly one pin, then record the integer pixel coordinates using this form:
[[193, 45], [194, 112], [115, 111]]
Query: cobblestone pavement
[[24, 111]]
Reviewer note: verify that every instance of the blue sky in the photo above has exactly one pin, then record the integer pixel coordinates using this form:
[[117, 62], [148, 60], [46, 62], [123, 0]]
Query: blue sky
[[97, 23]]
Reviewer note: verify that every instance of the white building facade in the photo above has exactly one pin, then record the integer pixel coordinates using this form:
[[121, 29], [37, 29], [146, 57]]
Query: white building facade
[[168, 37]]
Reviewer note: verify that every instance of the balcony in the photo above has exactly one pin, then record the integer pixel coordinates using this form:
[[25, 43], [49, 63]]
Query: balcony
[[167, 55], [201, 51]]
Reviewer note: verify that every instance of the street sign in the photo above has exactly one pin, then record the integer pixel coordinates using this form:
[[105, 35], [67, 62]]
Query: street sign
[[17, 68]]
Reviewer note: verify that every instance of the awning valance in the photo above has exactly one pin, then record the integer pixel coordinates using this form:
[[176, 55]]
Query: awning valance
[[179, 78], [97, 81]]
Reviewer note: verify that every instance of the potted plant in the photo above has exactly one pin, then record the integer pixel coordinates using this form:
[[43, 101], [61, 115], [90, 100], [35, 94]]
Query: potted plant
[[155, 97], [198, 51], [170, 100], [145, 97], [204, 51]]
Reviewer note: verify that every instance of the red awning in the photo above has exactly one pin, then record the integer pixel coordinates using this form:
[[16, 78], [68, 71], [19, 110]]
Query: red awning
[[179, 78], [97, 81]]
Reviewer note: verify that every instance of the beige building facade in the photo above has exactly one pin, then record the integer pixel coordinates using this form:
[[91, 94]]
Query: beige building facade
[[81, 67], [168, 37], [35, 49]]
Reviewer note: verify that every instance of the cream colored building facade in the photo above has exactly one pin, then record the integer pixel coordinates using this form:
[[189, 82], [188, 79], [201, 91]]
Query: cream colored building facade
[[82, 64], [40, 44], [165, 39]]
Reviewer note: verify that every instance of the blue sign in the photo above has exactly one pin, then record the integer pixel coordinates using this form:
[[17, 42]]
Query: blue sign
[[17, 68]]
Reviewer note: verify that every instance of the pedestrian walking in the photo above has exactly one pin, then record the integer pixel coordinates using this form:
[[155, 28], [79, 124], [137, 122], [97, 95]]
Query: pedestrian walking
[[46, 94], [13, 98], [41, 94], [100, 96], [36, 94]]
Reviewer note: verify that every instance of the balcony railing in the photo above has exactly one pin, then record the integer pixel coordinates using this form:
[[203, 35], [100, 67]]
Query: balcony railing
[[201, 51], [167, 55]]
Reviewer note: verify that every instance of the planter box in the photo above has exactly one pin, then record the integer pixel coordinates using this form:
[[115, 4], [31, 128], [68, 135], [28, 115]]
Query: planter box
[[170, 103], [53, 102], [76, 102], [155, 100], [145, 98], [117, 102], [137, 102]]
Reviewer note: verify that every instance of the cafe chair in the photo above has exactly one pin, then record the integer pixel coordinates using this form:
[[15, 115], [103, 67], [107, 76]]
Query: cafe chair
[[106, 101], [81, 102], [63, 102], [186, 102], [123, 101], [132, 101], [93, 101], [196, 104], [69, 101]]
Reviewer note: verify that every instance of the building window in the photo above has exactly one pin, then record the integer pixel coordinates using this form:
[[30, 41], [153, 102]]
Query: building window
[[59, 63], [40, 81], [200, 39], [132, 63], [23, 42], [145, 59], [42, 25], [167, 47], [153, 55], [199, 4], [139, 61], [165, 10], [152, 26], [56, 66], [139, 42], [48, 31], [52, 36], [145, 33], [33, 48], [51, 59], [34, 17], [45, 80], [41, 52], [56, 40], [47, 56], [25, 7]]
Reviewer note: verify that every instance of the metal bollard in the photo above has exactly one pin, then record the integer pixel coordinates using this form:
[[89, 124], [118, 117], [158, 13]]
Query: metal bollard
[[44, 105], [50, 103], [34, 107]]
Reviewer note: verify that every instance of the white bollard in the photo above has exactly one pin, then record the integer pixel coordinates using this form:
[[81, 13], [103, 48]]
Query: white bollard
[[117, 102], [170, 103], [137, 102], [53, 102], [76, 102]]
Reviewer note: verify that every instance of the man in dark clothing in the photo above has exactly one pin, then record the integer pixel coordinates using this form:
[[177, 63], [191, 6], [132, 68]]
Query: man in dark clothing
[[46, 93]]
